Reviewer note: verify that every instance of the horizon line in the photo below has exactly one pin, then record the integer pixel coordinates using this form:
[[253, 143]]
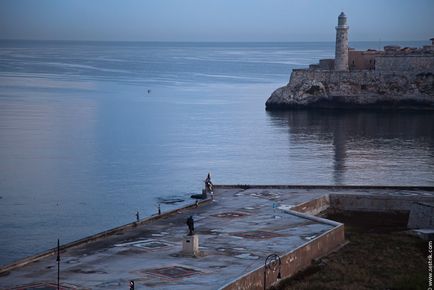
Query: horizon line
[[201, 41]]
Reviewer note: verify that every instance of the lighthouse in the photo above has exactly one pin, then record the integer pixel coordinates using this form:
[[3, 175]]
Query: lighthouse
[[341, 52]]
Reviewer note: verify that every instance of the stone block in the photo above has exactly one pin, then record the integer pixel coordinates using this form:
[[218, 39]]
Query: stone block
[[190, 245], [421, 216]]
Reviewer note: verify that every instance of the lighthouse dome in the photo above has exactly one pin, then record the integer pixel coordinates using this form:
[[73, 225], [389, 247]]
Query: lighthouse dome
[[342, 19]]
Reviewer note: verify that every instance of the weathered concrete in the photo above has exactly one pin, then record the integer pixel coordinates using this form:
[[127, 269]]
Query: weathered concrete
[[425, 234], [376, 203], [237, 231], [421, 216], [292, 262], [410, 63], [314, 206], [190, 245], [114, 231]]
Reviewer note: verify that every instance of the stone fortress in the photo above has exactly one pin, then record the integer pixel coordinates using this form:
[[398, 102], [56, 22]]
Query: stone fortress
[[391, 78]]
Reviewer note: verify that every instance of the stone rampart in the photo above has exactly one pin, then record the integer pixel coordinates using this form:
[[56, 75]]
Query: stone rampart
[[336, 79], [356, 88], [417, 63]]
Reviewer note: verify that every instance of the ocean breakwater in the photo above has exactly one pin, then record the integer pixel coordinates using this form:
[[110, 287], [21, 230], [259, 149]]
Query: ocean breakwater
[[355, 89]]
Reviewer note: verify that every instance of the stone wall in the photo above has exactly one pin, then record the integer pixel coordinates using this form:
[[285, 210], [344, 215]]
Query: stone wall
[[421, 216], [336, 78], [362, 60], [374, 203], [327, 64], [314, 206], [357, 88], [400, 82], [292, 262], [301, 258], [405, 63]]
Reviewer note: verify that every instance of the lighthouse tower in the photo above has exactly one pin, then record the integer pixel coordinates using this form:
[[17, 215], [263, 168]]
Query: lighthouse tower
[[341, 53]]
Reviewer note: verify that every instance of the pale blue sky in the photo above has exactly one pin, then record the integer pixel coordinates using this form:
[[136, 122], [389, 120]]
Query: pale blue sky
[[214, 20]]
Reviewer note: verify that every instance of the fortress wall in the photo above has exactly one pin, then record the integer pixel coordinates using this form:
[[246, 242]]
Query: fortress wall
[[405, 63], [361, 77], [374, 82], [358, 60], [292, 262], [407, 66]]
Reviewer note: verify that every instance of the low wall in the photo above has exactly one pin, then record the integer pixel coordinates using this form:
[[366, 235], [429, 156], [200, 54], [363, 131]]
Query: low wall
[[421, 216], [301, 257], [405, 63], [358, 86], [292, 262], [298, 76], [314, 206], [375, 203], [92, 238], [321, 186], [385, 68]]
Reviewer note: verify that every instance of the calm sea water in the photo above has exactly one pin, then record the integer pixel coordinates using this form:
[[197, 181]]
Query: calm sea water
[[83, 144]]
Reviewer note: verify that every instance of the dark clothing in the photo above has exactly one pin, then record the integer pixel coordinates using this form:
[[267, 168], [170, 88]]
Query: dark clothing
[[190, 224]]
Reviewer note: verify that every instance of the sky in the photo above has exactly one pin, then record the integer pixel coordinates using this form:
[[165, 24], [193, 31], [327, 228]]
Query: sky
[[214, 20]]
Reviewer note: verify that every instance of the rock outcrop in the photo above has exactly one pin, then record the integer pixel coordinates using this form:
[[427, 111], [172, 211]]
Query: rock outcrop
[[355, 89]]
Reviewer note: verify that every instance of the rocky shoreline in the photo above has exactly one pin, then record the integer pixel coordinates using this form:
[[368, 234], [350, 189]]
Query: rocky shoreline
[[355, 90]]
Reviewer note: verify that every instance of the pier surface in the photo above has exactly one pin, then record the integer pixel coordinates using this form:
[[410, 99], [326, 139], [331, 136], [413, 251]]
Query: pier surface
[[237, 231]]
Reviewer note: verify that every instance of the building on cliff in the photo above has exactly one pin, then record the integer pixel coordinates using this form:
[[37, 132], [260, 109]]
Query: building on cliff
[[391, 78], [393, 57]]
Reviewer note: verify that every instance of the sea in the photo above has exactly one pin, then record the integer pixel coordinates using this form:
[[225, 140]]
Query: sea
[[92, 132]]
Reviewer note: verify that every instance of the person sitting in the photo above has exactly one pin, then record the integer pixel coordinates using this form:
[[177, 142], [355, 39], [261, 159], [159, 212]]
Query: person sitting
[[208, 189]]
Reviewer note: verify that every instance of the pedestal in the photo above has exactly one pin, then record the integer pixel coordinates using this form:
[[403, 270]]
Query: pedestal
[[190, 245]]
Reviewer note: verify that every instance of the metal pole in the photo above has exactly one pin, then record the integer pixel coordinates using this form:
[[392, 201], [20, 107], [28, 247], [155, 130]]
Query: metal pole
[[274, 263], [58, 264], [265, 278]]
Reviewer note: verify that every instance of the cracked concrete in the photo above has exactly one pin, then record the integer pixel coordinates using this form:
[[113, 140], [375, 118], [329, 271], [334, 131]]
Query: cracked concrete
[[237, 231]]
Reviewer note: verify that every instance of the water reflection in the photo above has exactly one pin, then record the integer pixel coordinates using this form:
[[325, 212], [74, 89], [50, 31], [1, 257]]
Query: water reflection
[[365, 143], [339, 154]]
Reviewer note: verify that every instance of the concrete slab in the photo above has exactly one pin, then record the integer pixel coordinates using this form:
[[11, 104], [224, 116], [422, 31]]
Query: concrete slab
[[237, 231], [425, 234]]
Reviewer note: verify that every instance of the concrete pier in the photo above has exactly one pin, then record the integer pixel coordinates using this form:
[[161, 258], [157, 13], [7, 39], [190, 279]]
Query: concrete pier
[[237, 230]]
